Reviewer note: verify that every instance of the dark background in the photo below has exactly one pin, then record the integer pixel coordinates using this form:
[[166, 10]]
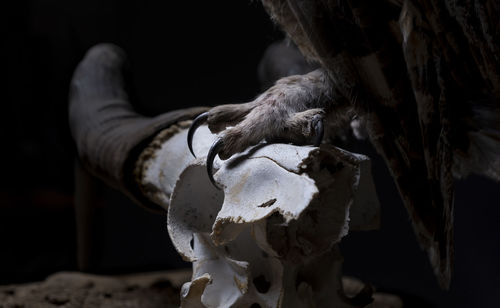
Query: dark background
[[181, 54]]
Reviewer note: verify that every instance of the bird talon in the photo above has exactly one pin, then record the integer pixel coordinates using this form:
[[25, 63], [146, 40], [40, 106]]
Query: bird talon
[[197, 122], [318, 129], [214, 150]]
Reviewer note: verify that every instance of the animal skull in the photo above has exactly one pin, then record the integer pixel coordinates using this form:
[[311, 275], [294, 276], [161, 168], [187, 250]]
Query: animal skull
[[269, 238]]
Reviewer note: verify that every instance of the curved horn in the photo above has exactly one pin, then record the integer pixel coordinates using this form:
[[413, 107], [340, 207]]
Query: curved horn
[[108, 134]]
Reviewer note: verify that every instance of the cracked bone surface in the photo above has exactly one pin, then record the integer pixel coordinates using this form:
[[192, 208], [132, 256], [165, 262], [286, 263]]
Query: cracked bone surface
[[269, 238]]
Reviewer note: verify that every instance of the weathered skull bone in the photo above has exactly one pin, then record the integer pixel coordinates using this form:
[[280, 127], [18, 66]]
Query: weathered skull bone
[[269, 239]]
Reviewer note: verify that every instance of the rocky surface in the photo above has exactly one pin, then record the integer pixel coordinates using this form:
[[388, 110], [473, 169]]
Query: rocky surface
[[71, 290]]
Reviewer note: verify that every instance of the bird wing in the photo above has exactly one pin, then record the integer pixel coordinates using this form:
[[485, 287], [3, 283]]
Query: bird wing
[[398, 62]]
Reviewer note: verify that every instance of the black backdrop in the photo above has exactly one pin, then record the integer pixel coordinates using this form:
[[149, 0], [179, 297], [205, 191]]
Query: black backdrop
[[182, 54]]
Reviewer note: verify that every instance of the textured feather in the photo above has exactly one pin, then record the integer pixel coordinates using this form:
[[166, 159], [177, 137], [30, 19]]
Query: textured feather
[[401, 64]]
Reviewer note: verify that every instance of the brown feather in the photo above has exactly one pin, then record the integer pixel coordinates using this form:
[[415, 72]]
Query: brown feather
[[411, 87]]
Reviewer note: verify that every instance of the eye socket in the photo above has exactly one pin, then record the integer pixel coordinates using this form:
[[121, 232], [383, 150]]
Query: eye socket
[[261, 284]]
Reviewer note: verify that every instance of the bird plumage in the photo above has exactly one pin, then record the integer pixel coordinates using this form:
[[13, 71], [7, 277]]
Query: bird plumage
[[410, 67]]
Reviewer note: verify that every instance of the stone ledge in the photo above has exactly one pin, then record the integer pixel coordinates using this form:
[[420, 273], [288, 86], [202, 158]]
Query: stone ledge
[[80, 290]]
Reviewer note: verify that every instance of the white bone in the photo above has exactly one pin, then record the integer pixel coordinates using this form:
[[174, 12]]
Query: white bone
[[269, 238]]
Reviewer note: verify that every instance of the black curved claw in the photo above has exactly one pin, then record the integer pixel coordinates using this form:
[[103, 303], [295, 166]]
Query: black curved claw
[[199, 120], [318, 129], [214, 150]]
